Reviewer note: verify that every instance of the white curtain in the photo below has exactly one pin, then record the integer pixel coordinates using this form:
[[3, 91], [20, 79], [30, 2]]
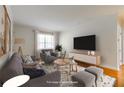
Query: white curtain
[[45, 41], [39, 39]]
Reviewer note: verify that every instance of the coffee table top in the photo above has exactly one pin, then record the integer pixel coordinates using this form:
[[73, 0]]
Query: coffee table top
[[61, 62], [16, 81]]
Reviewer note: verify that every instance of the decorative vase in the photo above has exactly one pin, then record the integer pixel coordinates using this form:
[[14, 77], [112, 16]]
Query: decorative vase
[[92, 53], [88, 52], [59, 54]]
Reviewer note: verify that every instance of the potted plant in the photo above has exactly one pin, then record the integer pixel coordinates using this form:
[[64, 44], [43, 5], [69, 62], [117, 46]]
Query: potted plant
[[58, 48]]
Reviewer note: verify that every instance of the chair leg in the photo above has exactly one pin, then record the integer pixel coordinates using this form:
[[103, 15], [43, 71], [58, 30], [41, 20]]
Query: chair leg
[[70, 69], [101, 78], [96, 83], [76, 67]]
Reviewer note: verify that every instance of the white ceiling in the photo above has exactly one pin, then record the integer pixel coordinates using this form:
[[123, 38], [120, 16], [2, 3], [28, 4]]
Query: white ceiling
[[58, 18]]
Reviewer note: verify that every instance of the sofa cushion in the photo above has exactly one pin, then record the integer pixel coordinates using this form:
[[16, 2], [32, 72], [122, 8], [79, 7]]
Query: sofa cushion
[[12, 68], [48, 80]]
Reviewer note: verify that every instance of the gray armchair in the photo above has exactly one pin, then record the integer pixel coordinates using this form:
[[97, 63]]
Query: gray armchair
[[48, 58]]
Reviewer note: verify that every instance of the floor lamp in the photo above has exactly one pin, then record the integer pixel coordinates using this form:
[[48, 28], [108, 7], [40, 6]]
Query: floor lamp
[[19, 42]]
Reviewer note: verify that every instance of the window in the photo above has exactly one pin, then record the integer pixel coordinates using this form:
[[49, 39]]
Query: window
[[45, 41]]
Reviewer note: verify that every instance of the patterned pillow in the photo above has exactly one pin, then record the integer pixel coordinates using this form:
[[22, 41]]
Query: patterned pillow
[[48, 53], [27, 59]]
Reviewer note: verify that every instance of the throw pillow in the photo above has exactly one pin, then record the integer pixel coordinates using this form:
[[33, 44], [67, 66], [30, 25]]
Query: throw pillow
[[24, 59], [27, 59], [48, 53]]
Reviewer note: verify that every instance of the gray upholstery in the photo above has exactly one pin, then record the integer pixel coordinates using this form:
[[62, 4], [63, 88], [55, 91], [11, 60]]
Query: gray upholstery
[[48, 59], [45, 81], [83, 79], [12, 68], [98, 72], [0, 84]]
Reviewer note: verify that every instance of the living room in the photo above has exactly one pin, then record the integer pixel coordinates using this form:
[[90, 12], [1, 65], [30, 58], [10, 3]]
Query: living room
[[55, 29]]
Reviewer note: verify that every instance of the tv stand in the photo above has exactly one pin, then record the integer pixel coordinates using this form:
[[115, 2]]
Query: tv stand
[[92, 59]]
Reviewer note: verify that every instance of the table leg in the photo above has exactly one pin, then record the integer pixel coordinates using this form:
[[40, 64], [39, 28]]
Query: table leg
[[70, 69], [76, 68]]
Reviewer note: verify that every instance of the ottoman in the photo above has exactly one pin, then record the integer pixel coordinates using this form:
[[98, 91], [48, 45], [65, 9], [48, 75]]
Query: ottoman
[[83, 79], [97, 72]]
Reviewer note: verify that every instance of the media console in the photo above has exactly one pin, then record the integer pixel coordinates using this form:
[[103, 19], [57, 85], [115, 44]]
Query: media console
[[86, 58]]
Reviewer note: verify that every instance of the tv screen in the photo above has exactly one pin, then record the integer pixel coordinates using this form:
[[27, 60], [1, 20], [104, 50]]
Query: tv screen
[[85, 42]]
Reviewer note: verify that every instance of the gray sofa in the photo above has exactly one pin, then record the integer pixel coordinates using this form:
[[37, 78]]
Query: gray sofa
[[48, 58], [14, 68]]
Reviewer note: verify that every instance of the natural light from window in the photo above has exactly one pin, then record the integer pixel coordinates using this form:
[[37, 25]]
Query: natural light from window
[[45, 41]]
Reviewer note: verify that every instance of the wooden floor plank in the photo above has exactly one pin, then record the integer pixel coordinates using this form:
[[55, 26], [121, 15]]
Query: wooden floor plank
[[121, 77]]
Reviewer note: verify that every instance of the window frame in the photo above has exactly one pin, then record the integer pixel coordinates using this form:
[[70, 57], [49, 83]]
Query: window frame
[[45, 42]]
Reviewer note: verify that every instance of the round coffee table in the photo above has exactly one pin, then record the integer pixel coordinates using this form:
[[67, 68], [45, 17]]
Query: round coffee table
[[62, 66], [16, 81], [60, 62]]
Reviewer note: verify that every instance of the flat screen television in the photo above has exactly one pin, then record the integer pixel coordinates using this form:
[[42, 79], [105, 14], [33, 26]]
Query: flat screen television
[[85, 42]]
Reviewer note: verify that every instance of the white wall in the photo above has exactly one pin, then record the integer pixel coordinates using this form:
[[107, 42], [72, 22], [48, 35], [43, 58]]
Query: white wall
[[28, 34], [105, 29]]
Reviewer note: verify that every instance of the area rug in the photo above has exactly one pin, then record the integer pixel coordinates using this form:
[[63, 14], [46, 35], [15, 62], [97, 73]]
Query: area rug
[[66, 81]]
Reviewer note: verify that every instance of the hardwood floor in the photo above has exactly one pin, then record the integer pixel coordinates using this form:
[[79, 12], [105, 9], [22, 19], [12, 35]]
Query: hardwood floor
[[121, 77]]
